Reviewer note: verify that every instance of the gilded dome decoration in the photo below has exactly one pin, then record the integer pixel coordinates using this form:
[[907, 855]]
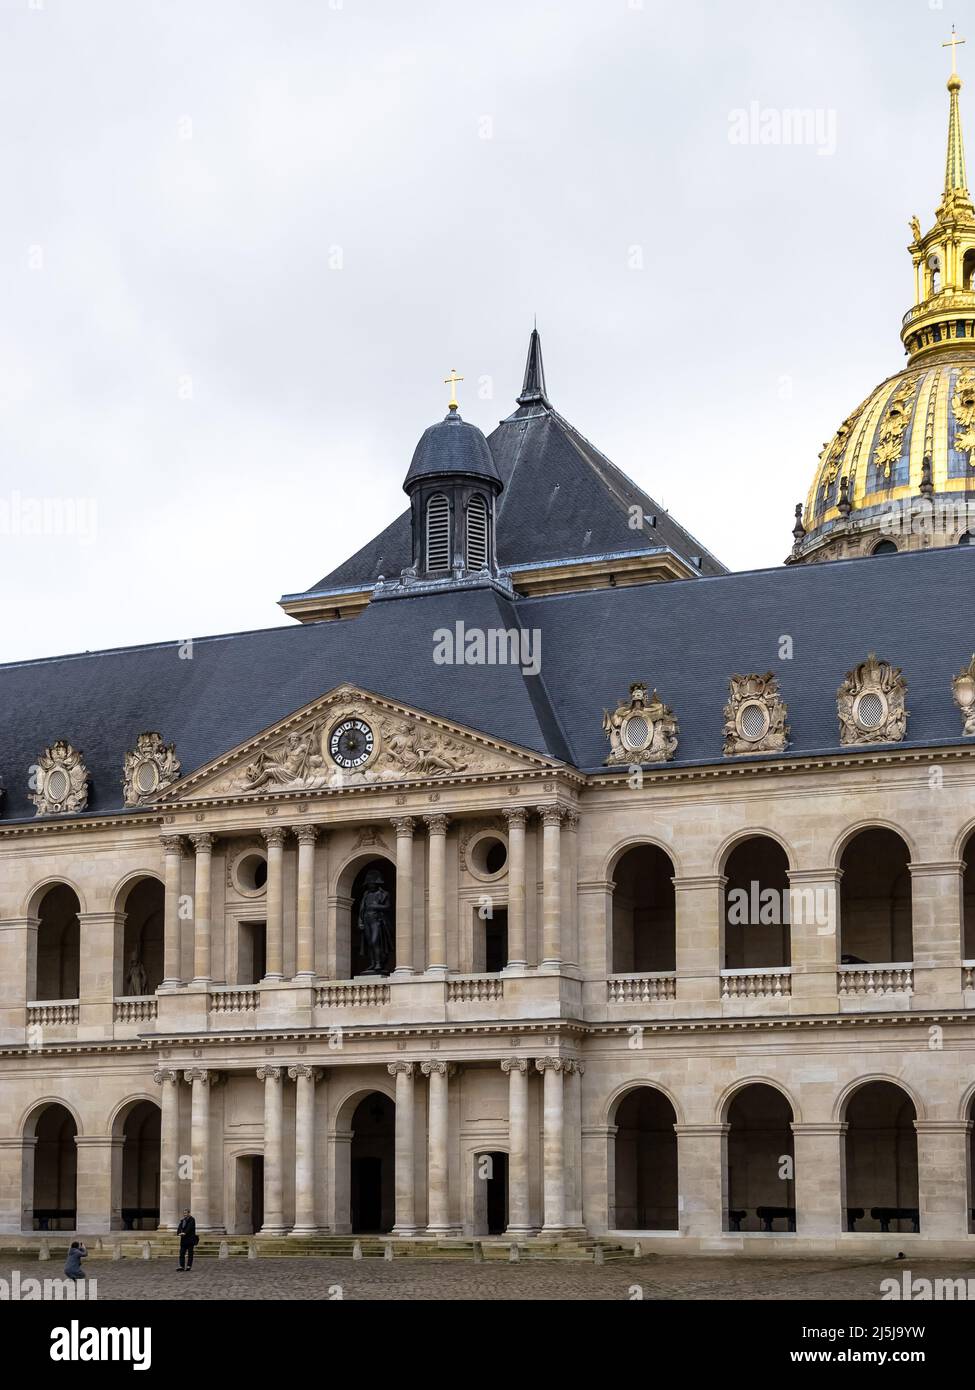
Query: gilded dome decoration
[[899, 474]]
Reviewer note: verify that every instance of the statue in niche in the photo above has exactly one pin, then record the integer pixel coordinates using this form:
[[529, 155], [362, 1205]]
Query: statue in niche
[[375, 924], [136, 978]]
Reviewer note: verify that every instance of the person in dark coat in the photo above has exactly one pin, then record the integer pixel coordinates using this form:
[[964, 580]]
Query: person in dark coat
[[188, 1239], [72, 1265]]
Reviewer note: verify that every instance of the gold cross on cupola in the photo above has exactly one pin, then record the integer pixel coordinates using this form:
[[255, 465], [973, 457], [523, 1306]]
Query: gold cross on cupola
[[452, 381], [953, 43]]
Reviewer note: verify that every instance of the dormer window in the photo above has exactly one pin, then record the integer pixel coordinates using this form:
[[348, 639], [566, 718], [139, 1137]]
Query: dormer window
[[438, 534], [477, 534]]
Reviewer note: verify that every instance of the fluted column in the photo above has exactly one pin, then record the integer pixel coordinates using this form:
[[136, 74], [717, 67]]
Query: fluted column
[[519, 1201], [305, 1078], [553, 1142], [305, 961], [437, 894], [203, 846], [551, 817], [438, 1160], [405, 1207], [273, 1150], [274, 840], [201, 1079], [404, 826], [168, 1149], [517, 922], [174, 850]]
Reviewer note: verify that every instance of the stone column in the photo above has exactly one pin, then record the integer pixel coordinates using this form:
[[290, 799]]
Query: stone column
[[700, 940], [438, 1204], [305, 1078], [102, 961], [274, 839], [97, 1155], [18, 979], [174, 850], [553, 1143], [937, 914], [551, 817], [405, 1209], [16, 1183], [201, 1079], [517, 922], [305, 960], [404, 826], [574, 1072], [519, 1198], [168, 1149], [943, 1177], [814, 935], [203, 845], [819, 1178], [703, 1179], [437, 892], [273, 1150]]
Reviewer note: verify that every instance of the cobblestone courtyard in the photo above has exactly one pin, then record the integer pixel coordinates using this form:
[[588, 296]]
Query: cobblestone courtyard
[[431, 1280]]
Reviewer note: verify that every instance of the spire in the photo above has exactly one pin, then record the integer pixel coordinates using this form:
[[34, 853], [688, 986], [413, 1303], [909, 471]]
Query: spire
[[533, 387]]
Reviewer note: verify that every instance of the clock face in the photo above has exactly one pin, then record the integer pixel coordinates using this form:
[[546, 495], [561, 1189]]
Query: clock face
[[350, 743]]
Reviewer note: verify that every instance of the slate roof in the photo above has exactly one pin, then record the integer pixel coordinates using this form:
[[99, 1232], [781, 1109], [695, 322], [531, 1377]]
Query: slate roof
[[562, 500], [687, 639]]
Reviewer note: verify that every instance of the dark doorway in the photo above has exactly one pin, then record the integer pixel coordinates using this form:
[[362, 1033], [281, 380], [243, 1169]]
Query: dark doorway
[[55, 1171], [251, 952], [881, 1160], [387, 871], [497, 1195], [371, 1176], [140, 1168], [496, 941], [249, 1216], [646, 1162]]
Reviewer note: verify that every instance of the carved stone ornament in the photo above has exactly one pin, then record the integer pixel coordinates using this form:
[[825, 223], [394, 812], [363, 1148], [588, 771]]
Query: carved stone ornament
[[755, 716], [62, 781], [963, 691], [871, 703], [641, 730], [150, 767]]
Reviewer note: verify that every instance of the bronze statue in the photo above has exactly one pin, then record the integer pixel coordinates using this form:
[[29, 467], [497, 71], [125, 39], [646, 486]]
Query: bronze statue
[[375, 928]]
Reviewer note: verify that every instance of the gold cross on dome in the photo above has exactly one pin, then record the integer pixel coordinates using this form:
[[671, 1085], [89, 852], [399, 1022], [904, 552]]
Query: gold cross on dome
[[452, 381], [953, 43]]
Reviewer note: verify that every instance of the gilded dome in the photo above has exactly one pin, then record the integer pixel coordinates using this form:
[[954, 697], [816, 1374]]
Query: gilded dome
[[926, 411]]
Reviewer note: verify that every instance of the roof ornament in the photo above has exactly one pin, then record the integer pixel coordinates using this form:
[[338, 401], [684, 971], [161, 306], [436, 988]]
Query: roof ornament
[[452, 381], [641, 730], [963, 693]]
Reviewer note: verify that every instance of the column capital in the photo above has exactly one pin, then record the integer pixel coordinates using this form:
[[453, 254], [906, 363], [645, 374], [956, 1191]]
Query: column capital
[[206, 1075], [571, 819], [404, 826], [269, 1073], [438, 1068], [521, 1064], [516, 815], [552, 1063], [165, 1074], [576, 1066], [302, 1069], [306, 834], [274, 837], [551, 815], [202, 841], [436, 824], [173, 844], [401, 1068]]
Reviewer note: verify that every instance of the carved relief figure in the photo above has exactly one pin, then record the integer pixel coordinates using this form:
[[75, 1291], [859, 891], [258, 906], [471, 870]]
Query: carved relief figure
[[963, 409], [416, 752], [890, 442], [294, 763]]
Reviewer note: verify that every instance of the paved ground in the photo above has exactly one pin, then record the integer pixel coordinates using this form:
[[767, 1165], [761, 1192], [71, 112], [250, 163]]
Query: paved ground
[[434, 1280]]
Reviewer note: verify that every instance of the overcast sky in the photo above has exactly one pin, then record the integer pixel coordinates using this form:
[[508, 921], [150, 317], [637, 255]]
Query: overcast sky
[[243, 241]]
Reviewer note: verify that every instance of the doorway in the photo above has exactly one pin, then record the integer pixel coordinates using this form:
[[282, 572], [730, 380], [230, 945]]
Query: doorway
[[249, 1214]]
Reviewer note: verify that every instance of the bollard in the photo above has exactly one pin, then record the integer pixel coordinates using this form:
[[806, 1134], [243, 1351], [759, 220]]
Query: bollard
[[514, 1254], [224, 1252], [116, 1251], [637, 1251], [388, 1250], [597, 1254], [251, 1251], [146, 1250], [357, 1250], [478, 1252], [44, 1251]]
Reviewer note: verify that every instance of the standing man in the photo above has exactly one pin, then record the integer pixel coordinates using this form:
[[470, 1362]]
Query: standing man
[[188, 1240]]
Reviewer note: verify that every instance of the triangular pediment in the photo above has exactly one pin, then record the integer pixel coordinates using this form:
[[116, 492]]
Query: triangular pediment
[[351, 738]]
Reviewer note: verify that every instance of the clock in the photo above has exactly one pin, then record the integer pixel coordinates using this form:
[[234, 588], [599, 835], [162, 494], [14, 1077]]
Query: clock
[[351, 744]]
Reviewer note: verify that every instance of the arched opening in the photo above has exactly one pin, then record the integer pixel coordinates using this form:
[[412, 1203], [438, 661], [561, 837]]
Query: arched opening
[[135, 1201], [966, 538], [757, 906], [968, 270], [968, 900], [645, 1162], [644, 915], [58, 945], [477, 534], [881, 1159], [761, 1161], [490, 1193], [142, 966], [875, 900], [438, 534], [884, 547], [51, 1182], [371, 1185]]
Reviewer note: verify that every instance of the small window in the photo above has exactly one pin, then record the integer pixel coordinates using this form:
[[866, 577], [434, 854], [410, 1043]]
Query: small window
[[477, 534], [966, 539], [438, 534], [884, 548]]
